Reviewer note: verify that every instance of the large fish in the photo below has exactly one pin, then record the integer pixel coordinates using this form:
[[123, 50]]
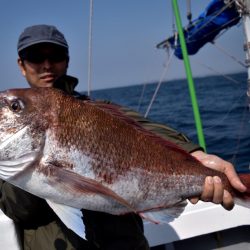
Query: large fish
[[83, 154]]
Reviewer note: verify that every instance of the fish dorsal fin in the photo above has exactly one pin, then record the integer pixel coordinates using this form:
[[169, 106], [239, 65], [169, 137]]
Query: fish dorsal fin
[[78, 183], [71, 217]]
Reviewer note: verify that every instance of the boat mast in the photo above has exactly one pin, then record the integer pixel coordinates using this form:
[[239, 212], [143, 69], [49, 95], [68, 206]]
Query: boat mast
[[246, 24], [90, 59]]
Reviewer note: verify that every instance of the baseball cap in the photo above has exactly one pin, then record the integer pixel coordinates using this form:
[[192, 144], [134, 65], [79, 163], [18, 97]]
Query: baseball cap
[[41, 33]]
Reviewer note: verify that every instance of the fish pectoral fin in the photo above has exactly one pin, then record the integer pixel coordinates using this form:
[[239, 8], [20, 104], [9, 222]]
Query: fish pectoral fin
[[70, 216], [164, 216], [78, 183]]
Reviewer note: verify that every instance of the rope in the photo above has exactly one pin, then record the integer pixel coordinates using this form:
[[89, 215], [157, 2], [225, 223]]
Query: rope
[[217, 72], [159, 84], [229, 55], [90, 59], [169, 56], [141, 97]]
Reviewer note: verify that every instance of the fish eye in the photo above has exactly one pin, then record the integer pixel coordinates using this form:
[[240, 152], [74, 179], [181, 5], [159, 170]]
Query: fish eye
[[16, 105]]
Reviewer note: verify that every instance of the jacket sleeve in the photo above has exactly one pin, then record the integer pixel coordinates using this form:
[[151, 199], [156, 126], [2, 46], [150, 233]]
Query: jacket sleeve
[[23, 207], [164, 131]]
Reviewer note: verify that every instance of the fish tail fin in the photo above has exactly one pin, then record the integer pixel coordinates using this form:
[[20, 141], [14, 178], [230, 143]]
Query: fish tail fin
[[243, 199]]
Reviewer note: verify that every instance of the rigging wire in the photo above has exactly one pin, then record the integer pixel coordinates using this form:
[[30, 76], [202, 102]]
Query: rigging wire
[[159, 84], [204, 65], [228, 3], [229, 55], [90, 57], [237, 147], [141, 97], [246, 21], [168, 60], [216, 71]]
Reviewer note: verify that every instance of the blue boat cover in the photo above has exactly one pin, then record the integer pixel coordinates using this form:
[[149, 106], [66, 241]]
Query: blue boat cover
[[216, 17]]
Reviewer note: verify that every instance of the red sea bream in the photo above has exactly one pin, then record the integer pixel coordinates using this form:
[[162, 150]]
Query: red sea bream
[[83, 154]]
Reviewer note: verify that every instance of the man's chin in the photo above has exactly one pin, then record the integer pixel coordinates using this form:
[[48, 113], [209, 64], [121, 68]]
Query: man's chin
[[46, 84]]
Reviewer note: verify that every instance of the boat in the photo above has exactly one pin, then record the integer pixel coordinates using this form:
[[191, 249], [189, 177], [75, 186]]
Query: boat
[[201, 226], [8, 237]]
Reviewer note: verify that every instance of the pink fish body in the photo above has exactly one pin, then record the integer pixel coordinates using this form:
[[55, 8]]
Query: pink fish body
[[90, 155]]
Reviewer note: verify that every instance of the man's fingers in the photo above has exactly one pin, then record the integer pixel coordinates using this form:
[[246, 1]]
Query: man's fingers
[[194, 200], [213, 191], [218, 190], [217, 163], [228, 202], [208, 190], [232, 176]]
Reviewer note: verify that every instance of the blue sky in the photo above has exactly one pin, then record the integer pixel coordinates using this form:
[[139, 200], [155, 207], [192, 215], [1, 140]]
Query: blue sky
[[124, 37]]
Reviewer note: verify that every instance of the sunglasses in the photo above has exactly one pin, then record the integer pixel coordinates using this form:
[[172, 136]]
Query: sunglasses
[[39, 57]]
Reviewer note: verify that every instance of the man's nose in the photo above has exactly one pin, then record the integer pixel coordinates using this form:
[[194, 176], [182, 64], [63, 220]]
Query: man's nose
[[47, 63]]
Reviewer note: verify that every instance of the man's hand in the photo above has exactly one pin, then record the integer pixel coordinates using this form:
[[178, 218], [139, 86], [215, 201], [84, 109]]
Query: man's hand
[[213, 189]]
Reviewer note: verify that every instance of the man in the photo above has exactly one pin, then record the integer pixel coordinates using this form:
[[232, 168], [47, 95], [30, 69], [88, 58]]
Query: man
[[43, 61]]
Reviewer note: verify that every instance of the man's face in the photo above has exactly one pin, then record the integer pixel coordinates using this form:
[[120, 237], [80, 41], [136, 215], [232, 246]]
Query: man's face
[[43, 63]]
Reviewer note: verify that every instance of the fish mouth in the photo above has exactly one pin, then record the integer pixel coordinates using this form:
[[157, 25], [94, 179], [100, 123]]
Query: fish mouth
[[10, 168], [19, 133]]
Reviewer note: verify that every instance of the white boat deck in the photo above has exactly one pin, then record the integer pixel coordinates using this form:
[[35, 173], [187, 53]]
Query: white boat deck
[[8, 236], [197, 225], [200, 227]]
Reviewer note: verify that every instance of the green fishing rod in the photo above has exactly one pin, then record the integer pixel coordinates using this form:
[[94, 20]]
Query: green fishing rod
[[191, 86]]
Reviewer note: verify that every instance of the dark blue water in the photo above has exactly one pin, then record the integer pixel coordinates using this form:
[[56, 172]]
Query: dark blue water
[[223, 107]]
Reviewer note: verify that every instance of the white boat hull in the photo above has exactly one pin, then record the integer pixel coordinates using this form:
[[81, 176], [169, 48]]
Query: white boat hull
[[197, 220], [200, 219]]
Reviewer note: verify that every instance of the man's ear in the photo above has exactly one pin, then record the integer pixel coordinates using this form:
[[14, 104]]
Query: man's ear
[[21, 66]]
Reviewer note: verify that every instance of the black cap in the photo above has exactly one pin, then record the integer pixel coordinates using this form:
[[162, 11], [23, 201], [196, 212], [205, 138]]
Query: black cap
[[41, 34]]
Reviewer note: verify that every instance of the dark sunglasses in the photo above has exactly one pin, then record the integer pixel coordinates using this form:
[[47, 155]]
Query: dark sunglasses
[[39, 57]]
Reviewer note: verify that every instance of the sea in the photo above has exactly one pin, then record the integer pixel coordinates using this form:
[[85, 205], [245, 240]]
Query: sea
[[223, 106]]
